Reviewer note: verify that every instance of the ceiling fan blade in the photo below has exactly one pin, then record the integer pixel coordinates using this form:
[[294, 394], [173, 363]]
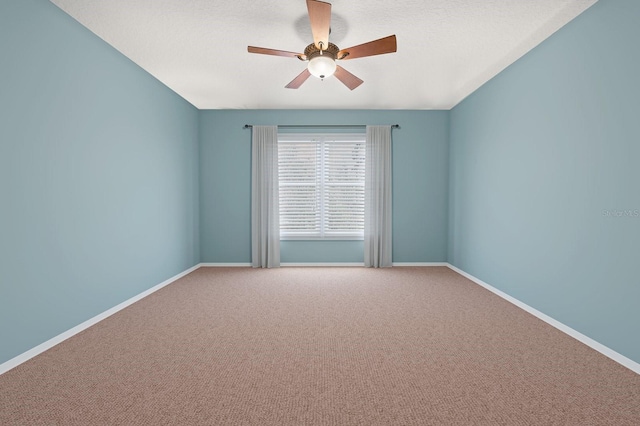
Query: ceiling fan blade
[[348, 79], [376, 47], [301, 78], [320, 18], [265, 51]]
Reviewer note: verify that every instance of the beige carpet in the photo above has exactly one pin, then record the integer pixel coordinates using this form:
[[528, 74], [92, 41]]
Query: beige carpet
[[321, 346]]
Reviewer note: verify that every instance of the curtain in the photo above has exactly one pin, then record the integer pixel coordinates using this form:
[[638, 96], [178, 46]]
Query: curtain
[[265, 221], [377, 198]]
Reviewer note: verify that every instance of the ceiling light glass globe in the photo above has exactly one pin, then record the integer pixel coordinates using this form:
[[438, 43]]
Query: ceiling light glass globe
[[322, 66]]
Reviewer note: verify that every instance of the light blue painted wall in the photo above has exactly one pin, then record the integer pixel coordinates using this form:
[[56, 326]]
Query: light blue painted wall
[[420, 185], [539, 156], [98, 177]]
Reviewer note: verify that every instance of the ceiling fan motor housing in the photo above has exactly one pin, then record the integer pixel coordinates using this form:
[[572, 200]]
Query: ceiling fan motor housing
[[311, 51]]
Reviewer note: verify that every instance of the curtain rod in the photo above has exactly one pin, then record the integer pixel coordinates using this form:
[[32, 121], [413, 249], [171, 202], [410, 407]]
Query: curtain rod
[[393, 126]]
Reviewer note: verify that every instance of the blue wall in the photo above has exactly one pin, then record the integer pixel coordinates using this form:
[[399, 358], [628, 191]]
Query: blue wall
[[110, 183], [544, 183], [98, 177], [420, 185]]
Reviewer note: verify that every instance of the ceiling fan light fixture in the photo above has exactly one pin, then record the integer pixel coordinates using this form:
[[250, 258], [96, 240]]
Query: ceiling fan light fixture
[[322, 66]]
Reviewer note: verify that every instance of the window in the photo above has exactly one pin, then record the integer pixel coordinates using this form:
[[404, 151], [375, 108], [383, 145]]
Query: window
[[321, 186]]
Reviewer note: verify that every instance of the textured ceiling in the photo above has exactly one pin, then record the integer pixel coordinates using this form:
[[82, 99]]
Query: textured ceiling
[[446, 48]]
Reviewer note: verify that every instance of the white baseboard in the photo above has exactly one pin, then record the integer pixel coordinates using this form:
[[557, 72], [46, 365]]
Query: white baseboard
[[225, 265], [336, 264], [320, 264], [14, 362], [283, 264], [401, 264], [608, 352]]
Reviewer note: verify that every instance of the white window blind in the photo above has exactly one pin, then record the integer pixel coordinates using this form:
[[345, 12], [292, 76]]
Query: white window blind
[[321, 186]]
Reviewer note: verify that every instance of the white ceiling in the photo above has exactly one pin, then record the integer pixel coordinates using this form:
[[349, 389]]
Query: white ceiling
[[446, 48]]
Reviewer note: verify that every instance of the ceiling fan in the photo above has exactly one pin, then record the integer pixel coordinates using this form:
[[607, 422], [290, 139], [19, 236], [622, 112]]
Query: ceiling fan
[[322, 55]]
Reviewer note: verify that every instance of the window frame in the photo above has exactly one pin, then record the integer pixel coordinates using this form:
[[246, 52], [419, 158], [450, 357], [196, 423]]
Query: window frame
[[321, 139]]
